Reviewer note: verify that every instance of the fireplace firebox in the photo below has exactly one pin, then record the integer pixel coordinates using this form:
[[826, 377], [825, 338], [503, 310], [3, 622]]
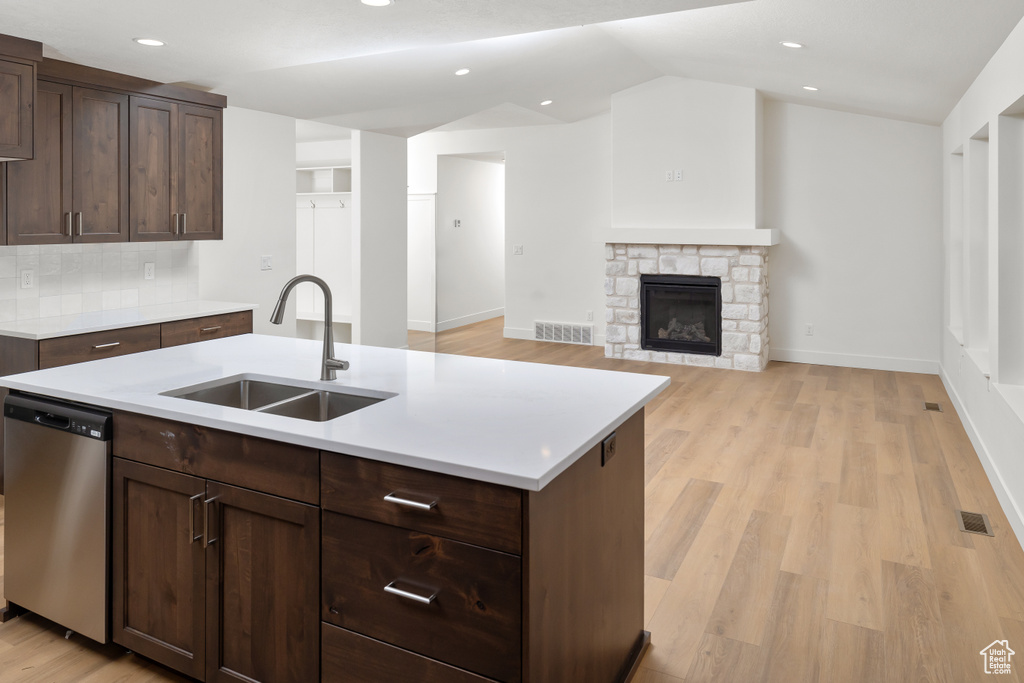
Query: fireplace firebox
[[681, 313]]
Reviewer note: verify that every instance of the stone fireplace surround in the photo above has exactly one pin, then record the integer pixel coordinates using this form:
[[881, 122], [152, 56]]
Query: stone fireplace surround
[[744, 273]]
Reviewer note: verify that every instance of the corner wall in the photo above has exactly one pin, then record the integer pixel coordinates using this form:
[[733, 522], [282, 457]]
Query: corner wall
[[259, 217], [859, 202]]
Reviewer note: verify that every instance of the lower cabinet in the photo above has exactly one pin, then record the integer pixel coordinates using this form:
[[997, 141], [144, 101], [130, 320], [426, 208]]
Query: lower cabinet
[[213, 580]]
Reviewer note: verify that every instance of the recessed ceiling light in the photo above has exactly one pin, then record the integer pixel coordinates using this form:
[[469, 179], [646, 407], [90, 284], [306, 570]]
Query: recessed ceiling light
[[150, 42], [462, 72], [810, 87], [790, 43], [377, 3], [545, 103]]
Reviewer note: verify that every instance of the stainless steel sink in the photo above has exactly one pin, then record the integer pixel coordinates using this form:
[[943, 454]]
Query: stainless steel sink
[[247, 394], [320, 406], [301, 400]]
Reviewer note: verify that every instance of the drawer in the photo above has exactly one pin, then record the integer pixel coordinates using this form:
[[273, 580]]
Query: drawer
[[200, 329], [473, 619], [279, 469], [79, 348], [354, 658], [474, 512]]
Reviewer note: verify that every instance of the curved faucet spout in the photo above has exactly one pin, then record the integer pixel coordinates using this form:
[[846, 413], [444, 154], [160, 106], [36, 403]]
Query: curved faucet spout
[[331, 365]]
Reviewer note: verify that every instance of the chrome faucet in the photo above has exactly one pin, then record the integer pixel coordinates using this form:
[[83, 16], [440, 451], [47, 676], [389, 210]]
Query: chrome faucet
[[331, 365]]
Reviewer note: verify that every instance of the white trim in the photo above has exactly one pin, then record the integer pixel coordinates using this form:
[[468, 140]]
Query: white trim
[[740, 237], [851, 360], [420, 325], [443, 325], [995, 478], [519, 333]]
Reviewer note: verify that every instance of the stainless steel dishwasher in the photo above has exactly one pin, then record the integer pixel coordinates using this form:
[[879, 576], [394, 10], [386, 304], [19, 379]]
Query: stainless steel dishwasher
[[56, 509]]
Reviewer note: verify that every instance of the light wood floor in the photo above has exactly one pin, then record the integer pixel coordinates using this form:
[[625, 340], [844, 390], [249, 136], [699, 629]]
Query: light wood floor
[[799, 527]]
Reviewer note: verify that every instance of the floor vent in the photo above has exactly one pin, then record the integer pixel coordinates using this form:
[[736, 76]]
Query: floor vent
[[973, 523], [564, 332], [934, 407]]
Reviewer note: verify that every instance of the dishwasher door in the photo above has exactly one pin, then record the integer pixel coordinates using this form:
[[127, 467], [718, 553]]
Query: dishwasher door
[[56, 509]]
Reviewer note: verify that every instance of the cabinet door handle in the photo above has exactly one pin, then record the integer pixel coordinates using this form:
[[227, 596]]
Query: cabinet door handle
[[67, 217], [393, 497], [109, 345], [210, 329], [175, 224], [184, 224], [79, 217], [423, 599], [192, 538], [207, 513]]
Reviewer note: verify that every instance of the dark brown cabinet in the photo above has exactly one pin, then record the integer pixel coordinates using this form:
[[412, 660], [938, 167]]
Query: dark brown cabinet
[[214, 580], [17, 88], [75, 189], [176, 175]]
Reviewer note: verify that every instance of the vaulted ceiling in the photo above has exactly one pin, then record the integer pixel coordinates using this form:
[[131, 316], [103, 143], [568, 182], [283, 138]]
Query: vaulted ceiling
[[392, 69]]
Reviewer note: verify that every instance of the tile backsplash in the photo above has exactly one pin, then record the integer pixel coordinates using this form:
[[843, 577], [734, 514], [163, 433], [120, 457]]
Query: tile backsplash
[[78, 278]]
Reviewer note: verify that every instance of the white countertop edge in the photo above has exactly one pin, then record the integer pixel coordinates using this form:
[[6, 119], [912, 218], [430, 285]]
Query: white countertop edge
[[118, 318], [409, 460], [741, 237]]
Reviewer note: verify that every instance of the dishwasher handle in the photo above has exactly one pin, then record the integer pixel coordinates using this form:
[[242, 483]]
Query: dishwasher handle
[[55, 421]]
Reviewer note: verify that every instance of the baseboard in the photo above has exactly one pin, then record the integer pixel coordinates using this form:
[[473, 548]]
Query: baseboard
[[443, 325], [528, 333], [850, 360], [420, 325], [995, 478]]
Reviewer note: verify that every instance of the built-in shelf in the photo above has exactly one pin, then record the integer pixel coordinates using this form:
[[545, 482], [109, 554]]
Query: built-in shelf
[[759, 237], [338, 316], [326, 180], [980, 358]]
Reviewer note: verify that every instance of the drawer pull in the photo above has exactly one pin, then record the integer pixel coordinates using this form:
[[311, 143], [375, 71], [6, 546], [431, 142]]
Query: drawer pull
[[192, 518], [107, 346], [405, 502], [423, 599], [210, 329]]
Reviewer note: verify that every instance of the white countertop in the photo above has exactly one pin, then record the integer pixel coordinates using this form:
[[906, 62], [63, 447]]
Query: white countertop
[[505, 422], [98, 321]]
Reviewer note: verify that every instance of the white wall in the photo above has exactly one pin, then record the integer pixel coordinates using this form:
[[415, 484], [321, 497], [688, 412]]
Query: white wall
[[858, 200], [379, 240], [983, 379], [470, 258], [323, 153], [422, 285], [557, 203], [707, 130], [259, 217]]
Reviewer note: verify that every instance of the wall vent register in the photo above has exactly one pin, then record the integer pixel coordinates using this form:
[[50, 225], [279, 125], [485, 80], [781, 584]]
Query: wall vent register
[[681, 313]]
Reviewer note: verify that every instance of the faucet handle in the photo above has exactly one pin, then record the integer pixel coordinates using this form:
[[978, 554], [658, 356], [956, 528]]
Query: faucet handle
[[336, 364]]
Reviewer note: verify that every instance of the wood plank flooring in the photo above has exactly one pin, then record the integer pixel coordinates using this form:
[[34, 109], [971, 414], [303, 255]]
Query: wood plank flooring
[[800, 528]]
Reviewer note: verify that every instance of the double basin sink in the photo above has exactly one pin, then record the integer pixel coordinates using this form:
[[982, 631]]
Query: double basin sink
[[273, 397]]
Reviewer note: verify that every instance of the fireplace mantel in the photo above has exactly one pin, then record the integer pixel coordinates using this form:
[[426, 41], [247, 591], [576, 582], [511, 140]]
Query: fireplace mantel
[[760, 237]]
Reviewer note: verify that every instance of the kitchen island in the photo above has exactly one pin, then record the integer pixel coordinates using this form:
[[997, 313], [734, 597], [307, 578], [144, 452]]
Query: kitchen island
[[480, 520]]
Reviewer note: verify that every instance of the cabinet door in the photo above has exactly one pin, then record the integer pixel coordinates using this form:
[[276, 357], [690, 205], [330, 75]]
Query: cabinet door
[[158, 573], [39, 191], [17, 86], [100, 166], [262, 586], [153, 156], [200, 172]]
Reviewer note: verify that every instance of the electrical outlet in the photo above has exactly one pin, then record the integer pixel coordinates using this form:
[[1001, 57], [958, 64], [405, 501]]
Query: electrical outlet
[[679, 174], [590, 316], [517, 250], [668, 176], [457, 223], [809, 329], [28, 279], [149, 271], [266, 263]]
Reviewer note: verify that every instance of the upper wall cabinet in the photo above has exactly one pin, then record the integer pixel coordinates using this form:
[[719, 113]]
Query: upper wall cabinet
[[176, 175], [76, 189], [18, 60], [116, 158]]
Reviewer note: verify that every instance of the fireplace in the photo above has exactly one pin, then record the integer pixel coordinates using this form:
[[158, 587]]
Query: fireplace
[[681, 313]]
